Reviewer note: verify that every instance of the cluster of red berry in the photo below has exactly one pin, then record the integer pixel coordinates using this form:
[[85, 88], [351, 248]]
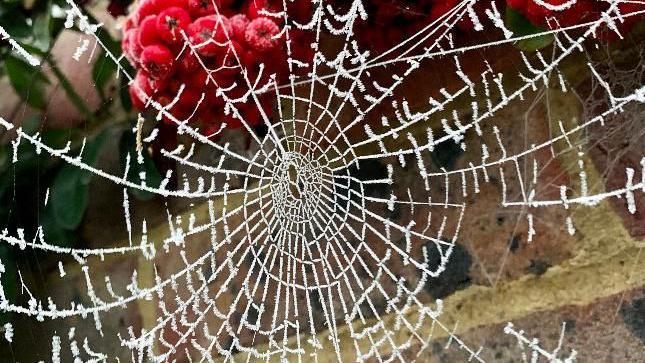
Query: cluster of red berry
[[390, 22], [236, 44], [193, 55], [564, 13]]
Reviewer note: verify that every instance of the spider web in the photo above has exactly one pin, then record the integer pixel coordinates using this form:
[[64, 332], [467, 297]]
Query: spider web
[[323, 235]]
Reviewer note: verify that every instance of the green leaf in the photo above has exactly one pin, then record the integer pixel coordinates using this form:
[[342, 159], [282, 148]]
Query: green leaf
[[54, 232], [32, 28], [127, 145], [56, 138], [5, 7], [520, 26], [15, 23], [41, 32], [69, 196], [26, 80], [31, 124], [124, 95], [70, 190], [104, 70], [91, 153], [27, 160]]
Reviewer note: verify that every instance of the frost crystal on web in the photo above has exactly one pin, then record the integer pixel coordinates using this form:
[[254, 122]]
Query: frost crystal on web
[[325, 235]]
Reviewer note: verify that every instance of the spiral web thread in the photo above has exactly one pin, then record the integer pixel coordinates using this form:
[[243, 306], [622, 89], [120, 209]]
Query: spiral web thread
[[316, 240]]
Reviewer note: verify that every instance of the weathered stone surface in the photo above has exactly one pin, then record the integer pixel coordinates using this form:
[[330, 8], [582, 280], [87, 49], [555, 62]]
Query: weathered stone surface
[[599, 332], [618, 146]]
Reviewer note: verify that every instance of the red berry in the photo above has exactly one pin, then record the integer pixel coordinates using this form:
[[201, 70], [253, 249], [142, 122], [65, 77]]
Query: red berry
[[240, 85], [209, 34], [189, 95], [517, 5], [466, 23], [629, 22], [153, 39], [232, 122], [125, 43], [131, 46], [232, 54], [260, 34], [300, 10], [157, 60], [128, 24], [225, 31], [212, 100], [579, 12], [174, 112], [264, 9], [188, 98], [251, 112], [228, 3], [199, 8], [207, 113], [301, 45], [170, 22], [239, 23], [157, 84], [199, 79], [137, 101], [211, 129], [181, 113], [386, 12], [148, 31], [536, 13], [439, 8], [145, 8], [140, 90], [249, 59], [153, 85], [188, 62], [165, 4], [255, 7]]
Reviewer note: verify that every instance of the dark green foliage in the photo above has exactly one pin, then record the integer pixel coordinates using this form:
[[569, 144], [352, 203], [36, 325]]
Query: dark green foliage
[[520, 26]]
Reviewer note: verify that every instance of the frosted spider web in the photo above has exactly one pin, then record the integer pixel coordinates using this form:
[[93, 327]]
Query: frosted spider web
[[322, 237]]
